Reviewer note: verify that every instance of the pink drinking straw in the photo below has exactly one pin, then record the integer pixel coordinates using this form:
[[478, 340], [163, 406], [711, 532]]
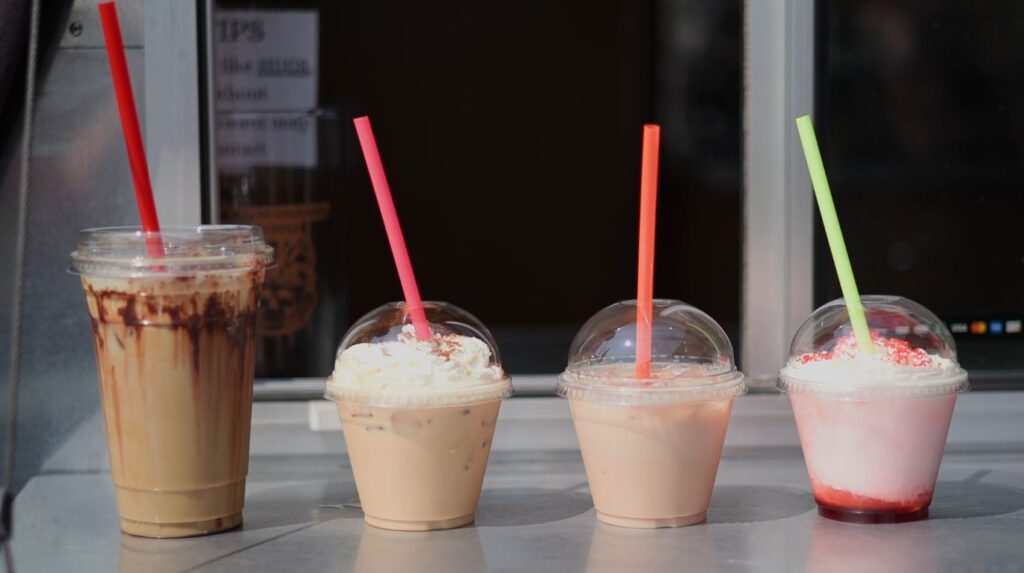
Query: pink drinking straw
[[130, 126], [387, 212], [645, 265]]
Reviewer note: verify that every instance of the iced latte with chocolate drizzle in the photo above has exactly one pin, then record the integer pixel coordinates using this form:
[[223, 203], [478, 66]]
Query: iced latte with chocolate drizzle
[[418, 415], [174, 340]]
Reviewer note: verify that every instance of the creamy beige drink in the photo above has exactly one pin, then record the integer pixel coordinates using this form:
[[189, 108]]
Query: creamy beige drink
[[444, 449], [418, 415], [651, 445], [669, 451], [174, 351]]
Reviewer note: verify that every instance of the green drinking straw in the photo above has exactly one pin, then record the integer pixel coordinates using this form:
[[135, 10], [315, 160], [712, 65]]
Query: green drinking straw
[[834, 233]]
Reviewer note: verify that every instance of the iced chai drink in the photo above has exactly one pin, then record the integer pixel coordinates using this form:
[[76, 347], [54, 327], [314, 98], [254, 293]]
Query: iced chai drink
[[873, 424], [418, 414], [651, 446], [174, 350]]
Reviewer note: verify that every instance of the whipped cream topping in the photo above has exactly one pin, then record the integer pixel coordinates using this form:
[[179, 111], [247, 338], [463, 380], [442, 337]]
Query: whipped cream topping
[[894, 362], [410, 366]]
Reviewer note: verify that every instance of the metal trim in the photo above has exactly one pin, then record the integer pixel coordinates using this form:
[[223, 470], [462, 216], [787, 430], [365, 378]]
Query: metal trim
[[172, 109], [313, 388], [778, 204], [210, 131]]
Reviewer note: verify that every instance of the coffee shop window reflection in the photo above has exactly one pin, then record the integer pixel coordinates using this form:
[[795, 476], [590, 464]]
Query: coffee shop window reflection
[[919, 112], [514, 165], [280, 171]]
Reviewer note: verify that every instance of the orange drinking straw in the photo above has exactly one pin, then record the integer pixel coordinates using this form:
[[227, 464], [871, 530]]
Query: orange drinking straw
[[387, 211], [130, 126], [645, 267]]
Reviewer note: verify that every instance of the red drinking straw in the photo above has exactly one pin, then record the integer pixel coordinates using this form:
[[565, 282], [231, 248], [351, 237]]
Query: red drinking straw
[[387, 211], [130, 125], [645, 267]]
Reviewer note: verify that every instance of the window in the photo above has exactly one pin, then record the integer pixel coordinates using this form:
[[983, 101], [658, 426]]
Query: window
[[511, 134], [920, 117]]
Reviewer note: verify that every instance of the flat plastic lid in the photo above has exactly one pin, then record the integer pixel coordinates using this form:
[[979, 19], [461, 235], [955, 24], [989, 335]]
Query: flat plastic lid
[[691, 358], [915, 355], [125, 251], [381, 361]]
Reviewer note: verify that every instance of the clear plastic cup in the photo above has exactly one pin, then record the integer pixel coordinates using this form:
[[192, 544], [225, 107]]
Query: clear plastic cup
[[651, 446], [873, 426], [174, 340], [418, 416]]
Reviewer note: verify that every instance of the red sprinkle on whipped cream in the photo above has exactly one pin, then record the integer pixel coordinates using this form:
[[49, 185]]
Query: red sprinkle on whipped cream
[[890, 350]]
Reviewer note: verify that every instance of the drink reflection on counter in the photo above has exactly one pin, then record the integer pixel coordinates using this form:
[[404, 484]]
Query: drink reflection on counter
[[280, 171], [837, 548], [615, 549], [383, 551]]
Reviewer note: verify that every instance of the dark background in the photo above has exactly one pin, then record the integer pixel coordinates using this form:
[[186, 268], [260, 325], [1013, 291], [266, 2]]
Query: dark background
[[511, 134], [920, 111]]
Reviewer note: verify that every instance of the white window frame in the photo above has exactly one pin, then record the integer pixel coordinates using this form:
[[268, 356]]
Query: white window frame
[[778, 266]]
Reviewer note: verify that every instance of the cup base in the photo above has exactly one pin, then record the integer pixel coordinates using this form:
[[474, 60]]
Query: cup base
[[862, 516], [651, 523], [182, 529], [419, 524]]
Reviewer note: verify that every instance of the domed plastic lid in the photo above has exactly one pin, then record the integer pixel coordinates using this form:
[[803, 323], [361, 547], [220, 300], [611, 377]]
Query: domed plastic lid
[[381, 360], [915, 354], [691, 357]]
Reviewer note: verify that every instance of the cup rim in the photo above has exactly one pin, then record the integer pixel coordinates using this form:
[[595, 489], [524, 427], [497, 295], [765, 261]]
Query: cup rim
[[955, 383], [433, 398], [189, 249], [625, 390]]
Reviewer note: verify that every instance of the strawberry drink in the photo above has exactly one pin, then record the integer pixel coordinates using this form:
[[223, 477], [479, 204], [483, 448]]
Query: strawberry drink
[[873, 424]]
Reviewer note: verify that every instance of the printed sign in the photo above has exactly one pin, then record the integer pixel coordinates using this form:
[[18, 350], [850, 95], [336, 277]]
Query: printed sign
[[265, 139], [266, 60]]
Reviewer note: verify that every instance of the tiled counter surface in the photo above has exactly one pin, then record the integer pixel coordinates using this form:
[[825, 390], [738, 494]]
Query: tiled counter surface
[[535, 513]]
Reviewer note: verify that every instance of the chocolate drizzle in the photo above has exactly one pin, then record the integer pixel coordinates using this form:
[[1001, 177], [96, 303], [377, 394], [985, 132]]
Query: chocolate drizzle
[[97, 336], [219, 312], [127, 312]]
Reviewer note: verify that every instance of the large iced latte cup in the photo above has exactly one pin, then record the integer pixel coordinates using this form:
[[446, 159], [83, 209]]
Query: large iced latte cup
[[418, 415], [174, 339], [651, 446], [873, 424]]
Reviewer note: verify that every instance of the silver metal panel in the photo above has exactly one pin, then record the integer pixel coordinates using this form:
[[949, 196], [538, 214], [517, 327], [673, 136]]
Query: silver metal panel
[[80, 179], [536, 514], [172, 103], [778, 209], [83, 28]]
